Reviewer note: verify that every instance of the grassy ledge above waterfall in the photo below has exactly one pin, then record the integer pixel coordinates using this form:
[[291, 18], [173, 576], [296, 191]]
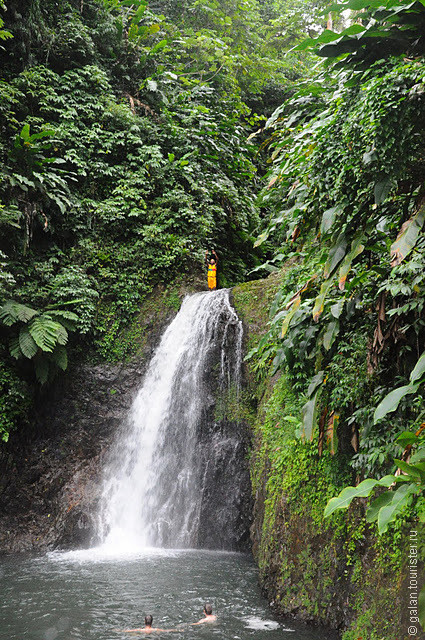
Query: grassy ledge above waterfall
[[334, 571]]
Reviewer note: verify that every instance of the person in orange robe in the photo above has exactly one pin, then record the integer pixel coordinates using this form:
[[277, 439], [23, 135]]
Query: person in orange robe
[[212, 270]]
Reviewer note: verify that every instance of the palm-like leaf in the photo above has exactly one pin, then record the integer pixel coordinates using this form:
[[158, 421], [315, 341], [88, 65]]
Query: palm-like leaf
[[27, 344], [68, 319], [47, 333], [14, 348], [60, 357], [11, 312]]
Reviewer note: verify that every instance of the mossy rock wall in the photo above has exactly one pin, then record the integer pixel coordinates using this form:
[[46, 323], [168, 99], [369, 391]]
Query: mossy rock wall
[[337, 571]]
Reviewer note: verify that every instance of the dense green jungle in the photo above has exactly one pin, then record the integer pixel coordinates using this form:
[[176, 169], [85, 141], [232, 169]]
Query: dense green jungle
[[289, 137]]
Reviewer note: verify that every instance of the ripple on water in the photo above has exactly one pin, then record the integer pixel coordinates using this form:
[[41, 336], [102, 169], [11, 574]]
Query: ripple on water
[[88, 595]]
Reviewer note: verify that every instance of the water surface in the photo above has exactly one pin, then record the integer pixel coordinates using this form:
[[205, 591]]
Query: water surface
[[87, 595]]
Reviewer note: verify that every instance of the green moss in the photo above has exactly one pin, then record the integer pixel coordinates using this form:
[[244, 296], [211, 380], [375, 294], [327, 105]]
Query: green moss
[[236, 406], [252, 301], [15, 401], [117, 344], [336, 570]]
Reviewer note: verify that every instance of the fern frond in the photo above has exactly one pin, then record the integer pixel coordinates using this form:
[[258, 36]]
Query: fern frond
[[68, 315], [66, 318], [47, 333], [14, 348], [61, 334], [60, 357], [27, 343], [63, 304], [11, 312]]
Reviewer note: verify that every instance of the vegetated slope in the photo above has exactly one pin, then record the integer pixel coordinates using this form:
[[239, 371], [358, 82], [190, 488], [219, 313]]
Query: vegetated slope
[[124, 156], [346, 331]]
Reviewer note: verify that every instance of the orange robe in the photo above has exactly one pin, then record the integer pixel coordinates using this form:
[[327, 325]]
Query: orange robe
[[212, 276]]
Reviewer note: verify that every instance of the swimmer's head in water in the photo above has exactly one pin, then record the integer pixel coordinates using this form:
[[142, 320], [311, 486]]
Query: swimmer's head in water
[[208, 609], [148, 621]]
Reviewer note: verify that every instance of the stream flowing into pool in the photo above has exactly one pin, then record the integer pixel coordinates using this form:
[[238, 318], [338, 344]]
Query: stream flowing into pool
[[84, 595]]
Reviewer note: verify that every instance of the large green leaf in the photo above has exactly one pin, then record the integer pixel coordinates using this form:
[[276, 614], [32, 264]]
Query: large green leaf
[[290, 315], [419, 369], [330, 334], [374, 508], [400, 499], [336, 254], [392, 400], [309, 414], [409, 470], [25, 133], [336, 309], [14, 348], [407, 237], [343, 500], [316, 381], [26, 343], [60, 357], [406, 437], [328, 219], [356, 249], [61, 334], [418, 456], [66, 318], [388, 480], [139, 13], [319, 303], [261, 238], [356, 5], [382, 189], [11, 312], [47, 333], [46, 133]]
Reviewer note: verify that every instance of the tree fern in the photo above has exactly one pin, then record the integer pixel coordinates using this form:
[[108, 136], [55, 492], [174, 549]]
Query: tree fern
[[11, 312], [47, 333], [14, 348], [41, 338], [66, 318], [27, 344], [60, 357]]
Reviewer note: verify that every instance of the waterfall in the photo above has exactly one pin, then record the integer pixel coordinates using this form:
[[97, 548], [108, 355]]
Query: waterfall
[[171, 478]]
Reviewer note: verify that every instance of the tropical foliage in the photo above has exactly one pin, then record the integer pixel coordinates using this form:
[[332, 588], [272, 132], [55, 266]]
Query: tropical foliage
[[346, 201], [286, 135], [125, 154]]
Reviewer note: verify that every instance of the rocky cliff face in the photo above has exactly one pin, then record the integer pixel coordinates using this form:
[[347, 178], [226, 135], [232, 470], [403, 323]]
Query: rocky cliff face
[[51, 479]]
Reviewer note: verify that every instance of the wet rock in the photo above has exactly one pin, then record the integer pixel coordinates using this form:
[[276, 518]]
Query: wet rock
[[51, 477]]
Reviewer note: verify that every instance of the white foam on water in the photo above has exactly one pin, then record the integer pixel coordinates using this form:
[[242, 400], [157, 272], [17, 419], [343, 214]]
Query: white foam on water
[[258, 624], [105, 553]]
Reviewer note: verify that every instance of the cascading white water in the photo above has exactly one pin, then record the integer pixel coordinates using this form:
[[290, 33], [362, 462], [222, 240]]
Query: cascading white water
[[155, 484]]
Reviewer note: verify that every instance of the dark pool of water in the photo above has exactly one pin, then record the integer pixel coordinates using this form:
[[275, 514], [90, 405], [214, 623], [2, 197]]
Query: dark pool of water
[[88, 595]]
